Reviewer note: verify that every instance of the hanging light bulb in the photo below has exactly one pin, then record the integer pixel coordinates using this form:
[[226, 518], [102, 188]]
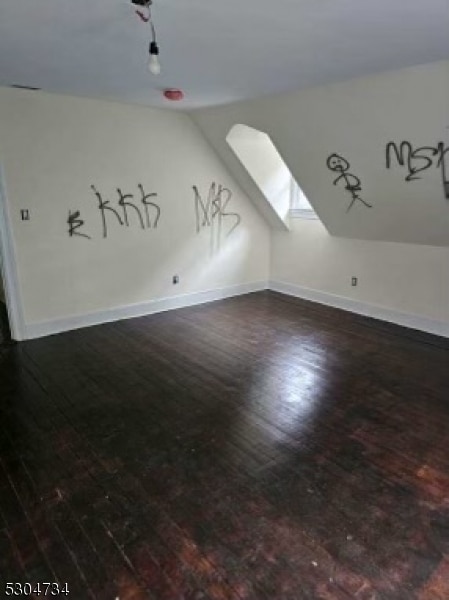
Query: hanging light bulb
[[154, 66]]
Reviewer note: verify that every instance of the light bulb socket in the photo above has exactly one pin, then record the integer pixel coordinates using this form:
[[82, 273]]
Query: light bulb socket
[[154, 49]]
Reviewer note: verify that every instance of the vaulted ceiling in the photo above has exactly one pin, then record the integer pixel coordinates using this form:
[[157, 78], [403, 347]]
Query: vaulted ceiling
[[217, 52]]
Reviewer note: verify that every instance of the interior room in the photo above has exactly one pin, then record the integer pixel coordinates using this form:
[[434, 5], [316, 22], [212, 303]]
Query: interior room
[[224, 250]]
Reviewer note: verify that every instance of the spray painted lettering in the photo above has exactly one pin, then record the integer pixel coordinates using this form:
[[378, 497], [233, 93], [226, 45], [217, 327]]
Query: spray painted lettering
[[419, 160], [213, 211], [145, 212], [75, 223]]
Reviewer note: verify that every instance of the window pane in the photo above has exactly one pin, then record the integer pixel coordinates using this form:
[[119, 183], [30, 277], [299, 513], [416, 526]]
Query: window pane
[[298, 198]]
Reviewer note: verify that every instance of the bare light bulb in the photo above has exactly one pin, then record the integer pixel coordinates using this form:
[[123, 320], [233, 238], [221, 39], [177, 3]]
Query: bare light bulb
[[154, 66]]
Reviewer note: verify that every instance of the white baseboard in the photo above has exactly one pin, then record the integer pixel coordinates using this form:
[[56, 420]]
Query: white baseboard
[[45, 328], [411, 321]]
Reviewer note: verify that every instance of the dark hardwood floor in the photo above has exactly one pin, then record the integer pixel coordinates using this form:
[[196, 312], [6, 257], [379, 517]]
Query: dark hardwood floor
[[261, 447]]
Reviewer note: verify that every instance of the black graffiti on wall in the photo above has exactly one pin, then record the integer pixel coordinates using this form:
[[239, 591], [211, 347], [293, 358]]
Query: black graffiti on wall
[[75, 223], [352, 184], [152, 210], [213, 212], [418, 160], [106, 210], [142, 211], [128, 206]]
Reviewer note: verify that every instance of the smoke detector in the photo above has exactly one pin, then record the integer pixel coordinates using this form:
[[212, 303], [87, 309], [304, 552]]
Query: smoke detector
[[174, 95]]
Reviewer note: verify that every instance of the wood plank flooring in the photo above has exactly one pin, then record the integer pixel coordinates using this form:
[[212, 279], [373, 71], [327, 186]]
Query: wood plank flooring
[[260, 448]]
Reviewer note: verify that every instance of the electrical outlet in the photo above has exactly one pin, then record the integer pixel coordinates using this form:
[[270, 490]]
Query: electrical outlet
[[25, 214], [354, 281], [175, 279]]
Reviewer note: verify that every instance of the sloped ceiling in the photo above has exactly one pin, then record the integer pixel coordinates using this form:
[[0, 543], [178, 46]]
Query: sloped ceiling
[[379, 195], [218, 52]]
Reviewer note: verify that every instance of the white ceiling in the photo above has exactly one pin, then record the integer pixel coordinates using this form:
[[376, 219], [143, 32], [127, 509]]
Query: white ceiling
[[216, 51]]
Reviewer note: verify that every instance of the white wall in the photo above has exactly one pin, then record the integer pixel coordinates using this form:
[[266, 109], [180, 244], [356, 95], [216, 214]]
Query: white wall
[[402, 254], [54, 148], [405, 283], [357, 119]]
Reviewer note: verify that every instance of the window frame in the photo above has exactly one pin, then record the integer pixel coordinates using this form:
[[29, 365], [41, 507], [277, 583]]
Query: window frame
[[300, 213]]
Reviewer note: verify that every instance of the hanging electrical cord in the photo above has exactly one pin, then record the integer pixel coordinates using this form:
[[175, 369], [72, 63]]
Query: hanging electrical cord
[[154, 66]]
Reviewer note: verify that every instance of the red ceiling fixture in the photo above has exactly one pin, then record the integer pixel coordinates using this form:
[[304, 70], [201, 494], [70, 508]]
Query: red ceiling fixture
[[174, 95]]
